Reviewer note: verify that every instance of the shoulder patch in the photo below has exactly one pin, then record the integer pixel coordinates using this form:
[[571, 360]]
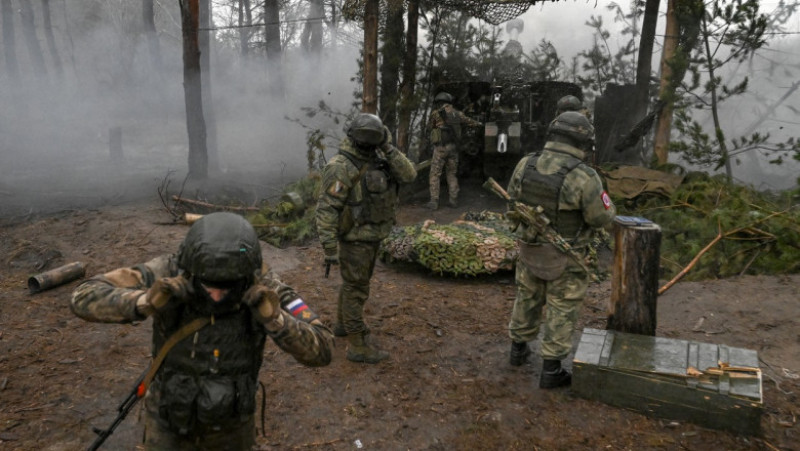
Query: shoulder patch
[[336, 188], [606, 200]]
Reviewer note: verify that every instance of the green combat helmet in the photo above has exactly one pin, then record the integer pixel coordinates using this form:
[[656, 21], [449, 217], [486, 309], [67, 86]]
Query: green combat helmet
[[220, 247], [569, 103], [573, 125], [443, 97], [366, 130]]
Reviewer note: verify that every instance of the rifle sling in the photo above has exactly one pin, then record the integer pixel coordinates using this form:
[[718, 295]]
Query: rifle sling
[[182, 333]]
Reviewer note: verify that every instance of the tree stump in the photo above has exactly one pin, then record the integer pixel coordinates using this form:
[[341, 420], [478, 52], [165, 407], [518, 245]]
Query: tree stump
[[634, 276]]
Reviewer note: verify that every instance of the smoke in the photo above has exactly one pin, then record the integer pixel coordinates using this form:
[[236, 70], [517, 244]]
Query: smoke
[[55, 130]]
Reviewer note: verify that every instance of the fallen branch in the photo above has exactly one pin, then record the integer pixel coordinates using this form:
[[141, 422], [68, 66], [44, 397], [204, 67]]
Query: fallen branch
[[212, 206], [691, 264]]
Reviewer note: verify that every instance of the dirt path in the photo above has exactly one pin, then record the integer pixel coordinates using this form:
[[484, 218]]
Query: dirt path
[[448, 384]]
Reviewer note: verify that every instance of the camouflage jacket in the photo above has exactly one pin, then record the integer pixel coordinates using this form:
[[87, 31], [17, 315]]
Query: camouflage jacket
[[342, 192], [437, 120], [445, 124], [582, 189], [111, 298]]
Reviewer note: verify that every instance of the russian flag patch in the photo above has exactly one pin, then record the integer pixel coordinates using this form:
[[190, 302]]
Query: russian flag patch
[[296, 307]]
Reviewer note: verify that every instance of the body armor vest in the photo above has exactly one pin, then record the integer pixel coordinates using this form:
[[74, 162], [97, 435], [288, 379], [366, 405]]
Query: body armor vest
[[545, 190], [451, 126], [373, 199], [208, 380]]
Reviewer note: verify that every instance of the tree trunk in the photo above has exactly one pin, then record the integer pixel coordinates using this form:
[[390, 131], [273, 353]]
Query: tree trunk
[[311, 38], [272, 37], [149, 21], [193, 91], [644, 64], [634, 278], [245, 22], [681, 37], [204, 41], [32, 41], [51, 40], [409, 78], [392, 58], [370, 101], [9, 44]]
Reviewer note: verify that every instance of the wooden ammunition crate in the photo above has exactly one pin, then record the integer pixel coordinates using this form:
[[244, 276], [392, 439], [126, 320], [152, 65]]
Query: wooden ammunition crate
[[714, 386]]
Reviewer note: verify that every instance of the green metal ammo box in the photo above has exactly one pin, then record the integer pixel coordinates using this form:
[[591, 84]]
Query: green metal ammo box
[[714, 386]]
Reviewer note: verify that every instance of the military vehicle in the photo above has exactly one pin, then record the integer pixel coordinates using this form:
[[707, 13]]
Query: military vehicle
[[515, 116]]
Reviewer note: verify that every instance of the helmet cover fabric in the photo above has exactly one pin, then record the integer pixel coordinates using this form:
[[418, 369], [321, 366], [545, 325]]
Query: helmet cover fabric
[[220, 247]]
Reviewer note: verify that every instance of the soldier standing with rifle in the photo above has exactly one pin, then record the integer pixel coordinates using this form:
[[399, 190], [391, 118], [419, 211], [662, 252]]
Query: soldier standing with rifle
[[356, 210], [445, 124], [213, 306], [571, 196]]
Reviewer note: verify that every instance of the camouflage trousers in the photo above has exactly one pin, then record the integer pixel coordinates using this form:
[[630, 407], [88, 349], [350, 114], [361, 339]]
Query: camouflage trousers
[[356, 263], [159, 438], [444, 158], [563, 297]]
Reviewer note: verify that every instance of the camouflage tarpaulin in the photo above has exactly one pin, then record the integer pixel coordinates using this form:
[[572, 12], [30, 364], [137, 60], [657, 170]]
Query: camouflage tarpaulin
[[494, 12], [477, 243]]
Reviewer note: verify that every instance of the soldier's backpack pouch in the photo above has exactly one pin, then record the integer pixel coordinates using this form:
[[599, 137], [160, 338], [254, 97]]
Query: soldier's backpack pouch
[[545, 261], [216, 400], [376, 181], [178, 393]]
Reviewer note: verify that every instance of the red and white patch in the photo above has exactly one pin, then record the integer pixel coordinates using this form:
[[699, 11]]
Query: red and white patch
[[336, 188], [606, 200]]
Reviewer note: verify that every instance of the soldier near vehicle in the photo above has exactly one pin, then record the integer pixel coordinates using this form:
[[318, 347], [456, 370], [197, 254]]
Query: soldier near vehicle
[[573, 199], [445, 133], [572, 103], [356, 210], [213, 305]]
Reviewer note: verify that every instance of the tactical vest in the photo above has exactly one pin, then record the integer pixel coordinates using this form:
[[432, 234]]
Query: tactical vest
[[451, 128], [545, 190], [373, 199], [208, 380]]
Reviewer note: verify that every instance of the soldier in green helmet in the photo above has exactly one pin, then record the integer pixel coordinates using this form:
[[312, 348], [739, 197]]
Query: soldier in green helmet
[[213, 306], [356, 210], [574, 200], [445, 128]]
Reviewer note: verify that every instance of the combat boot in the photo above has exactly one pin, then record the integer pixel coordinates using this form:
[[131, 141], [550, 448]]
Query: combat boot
[[553, 376], [432, 205], [360, 351], [519, 353], [453, 203]]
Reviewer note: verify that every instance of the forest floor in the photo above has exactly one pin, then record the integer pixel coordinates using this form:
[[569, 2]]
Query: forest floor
[[448, 383]]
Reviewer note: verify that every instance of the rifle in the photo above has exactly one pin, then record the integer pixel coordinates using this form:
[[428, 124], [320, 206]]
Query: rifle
[[143, 383], [534, 217], [123, 409]]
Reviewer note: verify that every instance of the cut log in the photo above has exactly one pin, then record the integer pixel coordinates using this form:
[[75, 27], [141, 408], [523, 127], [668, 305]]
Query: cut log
[[634, 276]]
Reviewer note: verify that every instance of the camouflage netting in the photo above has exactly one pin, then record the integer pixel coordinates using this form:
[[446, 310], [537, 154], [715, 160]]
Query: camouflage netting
[[477, 243], [494, 12]]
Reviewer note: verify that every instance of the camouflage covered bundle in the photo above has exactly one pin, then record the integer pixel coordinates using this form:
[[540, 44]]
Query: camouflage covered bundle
[[476, 243]]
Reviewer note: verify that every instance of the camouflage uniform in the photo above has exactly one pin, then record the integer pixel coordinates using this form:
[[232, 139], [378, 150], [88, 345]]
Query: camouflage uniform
[[355, 211], [445, 124], [553, 278], [236, 340]]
